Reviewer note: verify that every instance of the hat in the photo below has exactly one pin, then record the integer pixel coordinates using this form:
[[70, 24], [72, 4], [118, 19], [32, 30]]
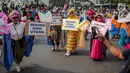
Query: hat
[[14, 14], [109, 15], [126, 19], [71, 10]]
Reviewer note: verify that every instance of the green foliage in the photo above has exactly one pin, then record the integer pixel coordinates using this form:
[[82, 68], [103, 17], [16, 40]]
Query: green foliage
[[58, 2], [117, 1]]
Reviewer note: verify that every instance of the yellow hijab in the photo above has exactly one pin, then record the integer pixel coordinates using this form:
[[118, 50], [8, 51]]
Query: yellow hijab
[[74, 16]]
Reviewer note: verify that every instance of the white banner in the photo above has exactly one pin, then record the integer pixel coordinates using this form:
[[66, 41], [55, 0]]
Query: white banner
[[103, 27], [45, 17]]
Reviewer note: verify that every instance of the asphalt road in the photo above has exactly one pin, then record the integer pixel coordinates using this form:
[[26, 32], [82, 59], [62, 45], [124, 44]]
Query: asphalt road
[[43, 60]]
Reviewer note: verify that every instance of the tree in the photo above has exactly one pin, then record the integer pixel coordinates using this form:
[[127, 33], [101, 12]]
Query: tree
[[57, 2], [117, 1]]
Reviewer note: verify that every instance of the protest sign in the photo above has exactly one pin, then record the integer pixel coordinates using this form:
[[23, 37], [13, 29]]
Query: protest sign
[[70, 24], [121, 6], [101, 26], [45, 17], [37, 29], [55, 20]]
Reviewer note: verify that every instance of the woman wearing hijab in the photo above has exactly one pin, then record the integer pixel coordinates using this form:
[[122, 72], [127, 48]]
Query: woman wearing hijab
[[71, 36], [102, 48], [99, 18], [17, 37]]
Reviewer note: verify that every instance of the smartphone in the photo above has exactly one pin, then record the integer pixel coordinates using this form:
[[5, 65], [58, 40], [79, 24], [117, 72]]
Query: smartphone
[[94, 32]]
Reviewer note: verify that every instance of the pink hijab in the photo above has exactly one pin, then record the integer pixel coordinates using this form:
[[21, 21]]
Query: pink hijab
[[14, 14]]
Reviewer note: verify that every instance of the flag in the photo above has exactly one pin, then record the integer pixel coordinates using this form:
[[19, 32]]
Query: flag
[[8, 53], [29, 45]]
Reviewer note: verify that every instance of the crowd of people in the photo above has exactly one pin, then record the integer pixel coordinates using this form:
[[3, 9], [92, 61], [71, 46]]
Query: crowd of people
[[22, 44]]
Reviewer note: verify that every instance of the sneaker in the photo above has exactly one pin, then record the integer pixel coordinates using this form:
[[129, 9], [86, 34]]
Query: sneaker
[[53, 49], [57, 49], [67, 54], [18, 69], [75, 53]]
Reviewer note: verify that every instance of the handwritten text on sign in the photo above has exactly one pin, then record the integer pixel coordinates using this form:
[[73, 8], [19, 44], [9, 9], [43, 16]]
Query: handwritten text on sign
[[37, 28], [56, 20], [69, 24], [101, 26]]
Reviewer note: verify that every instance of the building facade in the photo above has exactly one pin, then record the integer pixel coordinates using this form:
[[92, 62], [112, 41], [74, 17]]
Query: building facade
[[44, 1]]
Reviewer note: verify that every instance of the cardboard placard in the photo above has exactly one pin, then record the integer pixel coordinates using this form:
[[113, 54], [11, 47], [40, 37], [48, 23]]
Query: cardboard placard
[[55, 20], [37, 29], [103, 27], [70, 24]]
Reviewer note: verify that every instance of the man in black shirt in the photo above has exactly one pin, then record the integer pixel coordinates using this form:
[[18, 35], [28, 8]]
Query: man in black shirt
[[122, 55]]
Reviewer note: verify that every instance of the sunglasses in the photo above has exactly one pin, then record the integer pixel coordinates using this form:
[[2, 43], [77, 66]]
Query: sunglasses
[[71, 12], [16, 18]]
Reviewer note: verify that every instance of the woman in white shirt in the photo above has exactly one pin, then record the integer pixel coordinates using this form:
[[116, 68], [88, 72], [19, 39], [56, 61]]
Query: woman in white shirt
[[17, 37]]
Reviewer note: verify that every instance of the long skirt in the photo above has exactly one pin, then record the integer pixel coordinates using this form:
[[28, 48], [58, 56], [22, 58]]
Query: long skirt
[[104, 47], [71, 41], [18, 50]]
